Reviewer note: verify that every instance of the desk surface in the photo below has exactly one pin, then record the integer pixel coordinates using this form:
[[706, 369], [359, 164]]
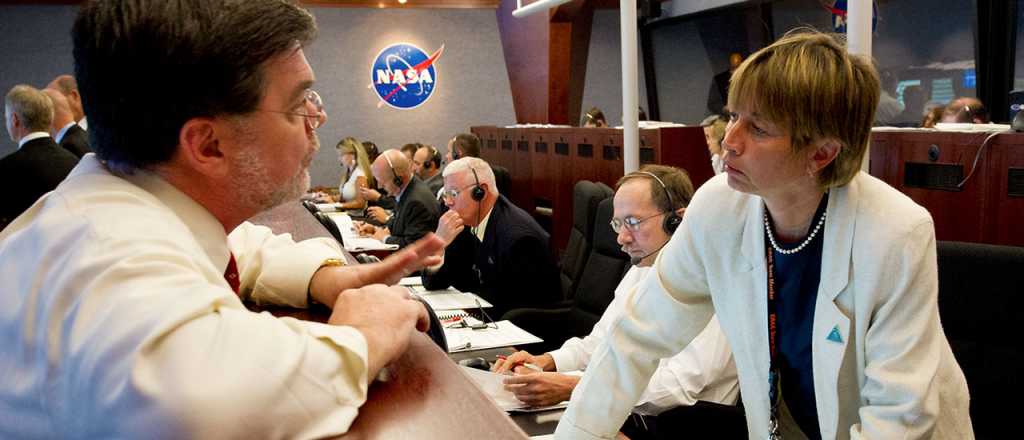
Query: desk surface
[[425, 396]]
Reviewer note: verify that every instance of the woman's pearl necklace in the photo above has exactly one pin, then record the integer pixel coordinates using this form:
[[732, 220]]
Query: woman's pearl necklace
[[807, 241]]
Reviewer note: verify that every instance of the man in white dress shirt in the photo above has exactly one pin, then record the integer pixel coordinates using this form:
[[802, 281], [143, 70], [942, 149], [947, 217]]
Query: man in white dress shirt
[[122, 313], [643, 218]]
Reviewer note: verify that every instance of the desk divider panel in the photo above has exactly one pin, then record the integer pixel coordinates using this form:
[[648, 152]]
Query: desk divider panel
[[927, 166], [1005, 214], [608, 154], [523, 175], [682, 147], [488, 142]]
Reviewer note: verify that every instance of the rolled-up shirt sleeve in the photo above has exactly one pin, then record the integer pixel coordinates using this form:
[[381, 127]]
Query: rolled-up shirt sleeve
[[274, 269]]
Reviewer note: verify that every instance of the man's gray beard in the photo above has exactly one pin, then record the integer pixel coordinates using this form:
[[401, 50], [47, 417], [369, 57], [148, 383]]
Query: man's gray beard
[[254, 190]]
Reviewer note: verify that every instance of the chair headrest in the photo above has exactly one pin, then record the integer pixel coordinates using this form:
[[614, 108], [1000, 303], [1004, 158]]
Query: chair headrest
[[604, 238], [586, 196]]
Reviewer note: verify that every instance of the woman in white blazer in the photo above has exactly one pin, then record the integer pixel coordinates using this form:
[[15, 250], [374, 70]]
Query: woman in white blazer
[[823, 277]]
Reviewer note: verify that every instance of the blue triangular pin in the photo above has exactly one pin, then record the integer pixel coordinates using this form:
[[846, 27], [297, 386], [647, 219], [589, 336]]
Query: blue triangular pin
[[834, 335]]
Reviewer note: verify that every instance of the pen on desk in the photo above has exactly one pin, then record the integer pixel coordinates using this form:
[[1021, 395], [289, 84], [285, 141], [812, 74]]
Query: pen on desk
[[533, 367]]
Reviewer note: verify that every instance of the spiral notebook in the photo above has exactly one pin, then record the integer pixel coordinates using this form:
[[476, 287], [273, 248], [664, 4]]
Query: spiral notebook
[[452, 315], [449, 299]]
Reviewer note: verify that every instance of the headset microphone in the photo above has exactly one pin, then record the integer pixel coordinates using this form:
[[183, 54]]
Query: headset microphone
[[636, 260]]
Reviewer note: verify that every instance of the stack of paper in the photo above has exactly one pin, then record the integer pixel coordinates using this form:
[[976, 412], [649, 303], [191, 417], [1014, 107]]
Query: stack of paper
[[450, 298], [352, 241], [328, 207]]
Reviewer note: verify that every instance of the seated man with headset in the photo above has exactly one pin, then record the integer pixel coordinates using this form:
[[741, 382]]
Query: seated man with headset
[[645, 216], [426, 164], [493, 248], [416, 210]]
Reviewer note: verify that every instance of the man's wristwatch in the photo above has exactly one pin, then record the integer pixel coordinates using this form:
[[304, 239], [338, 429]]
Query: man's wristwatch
[[326, 263], [331, 262]]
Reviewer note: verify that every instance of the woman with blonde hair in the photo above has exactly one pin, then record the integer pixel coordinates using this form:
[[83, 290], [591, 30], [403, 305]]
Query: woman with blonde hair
[[356, 175], [822, 277]]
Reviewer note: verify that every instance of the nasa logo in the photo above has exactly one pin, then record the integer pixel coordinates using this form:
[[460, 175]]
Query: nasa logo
[[839, 9], [404, 76]]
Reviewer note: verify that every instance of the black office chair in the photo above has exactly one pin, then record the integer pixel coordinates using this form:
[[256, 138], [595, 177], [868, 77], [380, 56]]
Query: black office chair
[[503, 180], [595, 290], [586, 197], [981, 295]]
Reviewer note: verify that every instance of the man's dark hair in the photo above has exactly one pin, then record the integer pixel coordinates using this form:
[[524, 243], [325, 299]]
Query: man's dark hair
[[433, 156], [371, 150], [410, 149], [467, 145], [145, 67]]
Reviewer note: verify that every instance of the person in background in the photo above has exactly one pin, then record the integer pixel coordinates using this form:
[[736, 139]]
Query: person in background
[[123, 288], [823, 277], [965, 109], [594, 118], [67, 86], [494, 248], [462, 145], [932, 116], [382, 201], [416, 208], [719, 89], [410, 149], [371, 150], [356, 174], [426, 164], [39, 164], [647, 205], [65, 131], [714, 132]]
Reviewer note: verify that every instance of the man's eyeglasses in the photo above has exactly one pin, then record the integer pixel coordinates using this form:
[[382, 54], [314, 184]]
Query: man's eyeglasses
[[631, 223], [312, 102], [452, 193]]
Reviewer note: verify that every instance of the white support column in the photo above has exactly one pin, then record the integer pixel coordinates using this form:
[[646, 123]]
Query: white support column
[[630, 106], [858, 40]]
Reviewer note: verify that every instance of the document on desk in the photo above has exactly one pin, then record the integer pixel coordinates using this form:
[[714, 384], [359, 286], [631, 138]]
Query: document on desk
[[499, 334], [410, 281], [328, 207], [492, 384], [450, 298], [353, 242]]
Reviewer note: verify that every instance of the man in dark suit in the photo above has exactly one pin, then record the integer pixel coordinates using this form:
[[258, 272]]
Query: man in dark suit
[[39, 164], [719, 90], [68, 86], [503, 253], [416, 209], [64, 129]]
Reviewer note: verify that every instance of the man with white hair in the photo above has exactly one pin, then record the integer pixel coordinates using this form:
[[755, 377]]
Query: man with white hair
[[39, 164], [503, 253]]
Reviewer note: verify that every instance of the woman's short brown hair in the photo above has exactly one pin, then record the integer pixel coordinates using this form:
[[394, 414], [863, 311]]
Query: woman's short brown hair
[[807, 83]]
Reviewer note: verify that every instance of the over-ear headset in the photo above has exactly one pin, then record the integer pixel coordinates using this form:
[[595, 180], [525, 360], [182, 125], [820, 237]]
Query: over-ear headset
[[397, 180], [477, 193], [435, 157], [672, 218]]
